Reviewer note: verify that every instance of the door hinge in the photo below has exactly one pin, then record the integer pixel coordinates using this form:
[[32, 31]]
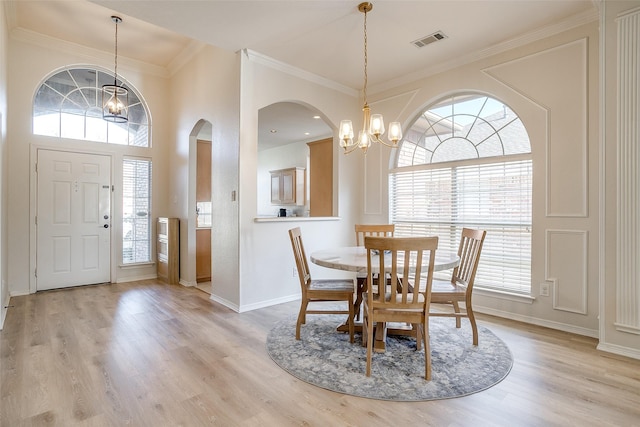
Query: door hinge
[[35, 272], [36, 167], [112, 188], [36, 220]]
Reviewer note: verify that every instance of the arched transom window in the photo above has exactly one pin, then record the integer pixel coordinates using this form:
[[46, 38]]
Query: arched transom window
[[466, 162], [69, 105]]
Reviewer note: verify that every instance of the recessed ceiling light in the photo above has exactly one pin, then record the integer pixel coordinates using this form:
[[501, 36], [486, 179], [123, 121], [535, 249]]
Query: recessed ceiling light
[[273, 131], [306, 133], [316, 117]]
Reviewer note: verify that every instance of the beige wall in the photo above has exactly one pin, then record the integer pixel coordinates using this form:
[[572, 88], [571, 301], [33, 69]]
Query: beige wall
[[4, 284], [207, 88], [31, 60], [553, 85], [266, 259]]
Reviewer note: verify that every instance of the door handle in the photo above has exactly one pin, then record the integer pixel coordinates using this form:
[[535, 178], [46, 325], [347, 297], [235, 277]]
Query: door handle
[[106, 226]]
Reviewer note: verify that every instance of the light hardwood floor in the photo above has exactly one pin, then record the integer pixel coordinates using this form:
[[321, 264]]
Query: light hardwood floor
[[149, 354]]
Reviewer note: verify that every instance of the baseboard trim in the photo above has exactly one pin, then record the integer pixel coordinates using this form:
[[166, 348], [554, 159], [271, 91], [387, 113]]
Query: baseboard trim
[[619, 350], [593, 333], [269, 303]]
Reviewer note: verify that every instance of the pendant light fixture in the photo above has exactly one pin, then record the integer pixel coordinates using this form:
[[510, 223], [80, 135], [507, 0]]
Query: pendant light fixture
[[115, 98], [372, 125]]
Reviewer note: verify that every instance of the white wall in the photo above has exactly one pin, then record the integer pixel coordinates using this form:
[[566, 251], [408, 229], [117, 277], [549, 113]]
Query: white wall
[[266, 259], [553, 85], [612, 337], [31, 59], [207, 88], [4, 284]]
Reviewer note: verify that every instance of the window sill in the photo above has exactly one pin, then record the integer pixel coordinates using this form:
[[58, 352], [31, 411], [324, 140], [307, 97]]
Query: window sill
[[510, 296], [137, 264]]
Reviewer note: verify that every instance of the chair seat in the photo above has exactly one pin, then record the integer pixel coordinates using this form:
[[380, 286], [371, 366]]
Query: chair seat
[[331, 285], [444, 288]]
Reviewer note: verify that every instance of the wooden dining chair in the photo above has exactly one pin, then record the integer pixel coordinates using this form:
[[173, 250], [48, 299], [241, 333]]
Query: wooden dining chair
[[319, 290], [362, 231], [407, 298], [375, 230], [460, 287]]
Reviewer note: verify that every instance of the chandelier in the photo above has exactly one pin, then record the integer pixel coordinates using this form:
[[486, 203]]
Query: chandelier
[[115, 98], [372, 124]]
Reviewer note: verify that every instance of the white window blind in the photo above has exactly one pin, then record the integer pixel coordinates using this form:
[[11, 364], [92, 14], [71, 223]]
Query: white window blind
[[437, 200], [136, 211]]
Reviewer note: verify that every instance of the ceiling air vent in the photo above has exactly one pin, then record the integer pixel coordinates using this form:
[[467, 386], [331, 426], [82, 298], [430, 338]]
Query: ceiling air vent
[[437, 36]]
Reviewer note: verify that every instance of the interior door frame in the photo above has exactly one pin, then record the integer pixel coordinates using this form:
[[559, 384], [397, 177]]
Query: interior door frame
[[33, 200]]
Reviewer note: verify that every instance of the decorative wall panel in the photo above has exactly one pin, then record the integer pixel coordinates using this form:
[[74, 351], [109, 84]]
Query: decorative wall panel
[[628, 268], [566, 142], [566, 267]]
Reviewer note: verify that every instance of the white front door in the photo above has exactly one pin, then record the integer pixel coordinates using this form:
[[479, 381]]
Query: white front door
[[73, 219]]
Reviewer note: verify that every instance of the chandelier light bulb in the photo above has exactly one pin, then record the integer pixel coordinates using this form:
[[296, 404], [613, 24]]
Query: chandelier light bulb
[[395, 133], [376, 128], [346, 134]]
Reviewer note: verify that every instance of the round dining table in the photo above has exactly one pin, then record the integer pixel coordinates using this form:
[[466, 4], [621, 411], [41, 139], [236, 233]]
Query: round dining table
[[354, 258]]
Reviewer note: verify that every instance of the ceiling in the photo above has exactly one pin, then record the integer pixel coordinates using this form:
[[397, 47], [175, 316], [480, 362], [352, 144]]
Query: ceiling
[[322, 37]]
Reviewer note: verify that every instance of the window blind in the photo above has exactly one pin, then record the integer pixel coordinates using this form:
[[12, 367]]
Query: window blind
[[496, 197], [136, 211]]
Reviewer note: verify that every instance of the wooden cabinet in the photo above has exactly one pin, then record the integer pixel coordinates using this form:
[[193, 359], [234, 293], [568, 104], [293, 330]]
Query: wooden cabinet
[[168, 250], [203, 255], [288, 186], [321, 177]]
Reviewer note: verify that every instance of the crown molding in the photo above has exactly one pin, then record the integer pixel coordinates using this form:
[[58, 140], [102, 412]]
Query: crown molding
[[185, 55], [86, 53], [522, 40], [11, 14], [267, 61]]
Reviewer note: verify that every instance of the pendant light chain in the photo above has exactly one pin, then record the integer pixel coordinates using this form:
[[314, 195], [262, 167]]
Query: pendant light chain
[[115, 97], [115, 72]]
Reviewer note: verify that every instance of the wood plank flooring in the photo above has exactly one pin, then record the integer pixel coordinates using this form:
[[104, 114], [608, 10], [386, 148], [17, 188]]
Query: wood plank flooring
[[150, 354]]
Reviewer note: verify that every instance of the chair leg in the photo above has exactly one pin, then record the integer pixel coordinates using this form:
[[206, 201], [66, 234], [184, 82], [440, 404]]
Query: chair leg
[[472, 320], [351, 320], [456, 308], [301, 317], [359, 290], [369, 344], [364, 333], [427, 350], [418, 331]]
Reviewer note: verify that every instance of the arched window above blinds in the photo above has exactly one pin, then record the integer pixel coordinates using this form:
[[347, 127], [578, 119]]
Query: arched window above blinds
[[466, 162], [68, 105], [462, 127]]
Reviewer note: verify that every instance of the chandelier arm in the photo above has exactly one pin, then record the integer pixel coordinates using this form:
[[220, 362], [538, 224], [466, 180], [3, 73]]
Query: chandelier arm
[[381, 141], [349, 149]]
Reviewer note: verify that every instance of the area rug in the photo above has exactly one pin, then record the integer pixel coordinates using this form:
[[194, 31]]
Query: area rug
[[325, 358]]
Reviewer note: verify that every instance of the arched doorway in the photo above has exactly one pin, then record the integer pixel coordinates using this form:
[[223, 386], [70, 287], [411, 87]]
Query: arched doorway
[[200, 207]]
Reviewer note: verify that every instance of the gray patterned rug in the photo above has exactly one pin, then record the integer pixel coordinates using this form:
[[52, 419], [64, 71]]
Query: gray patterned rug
[[325, 358]]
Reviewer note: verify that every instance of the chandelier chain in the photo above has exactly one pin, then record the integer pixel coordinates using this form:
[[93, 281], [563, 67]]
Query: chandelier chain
[[365, 58]]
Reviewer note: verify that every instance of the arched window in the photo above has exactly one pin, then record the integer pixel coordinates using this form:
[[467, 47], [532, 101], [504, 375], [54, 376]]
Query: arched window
[[69, 105], [466, 162]]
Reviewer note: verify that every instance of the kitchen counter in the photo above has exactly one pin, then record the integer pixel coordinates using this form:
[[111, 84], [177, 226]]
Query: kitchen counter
[[295, 218]]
